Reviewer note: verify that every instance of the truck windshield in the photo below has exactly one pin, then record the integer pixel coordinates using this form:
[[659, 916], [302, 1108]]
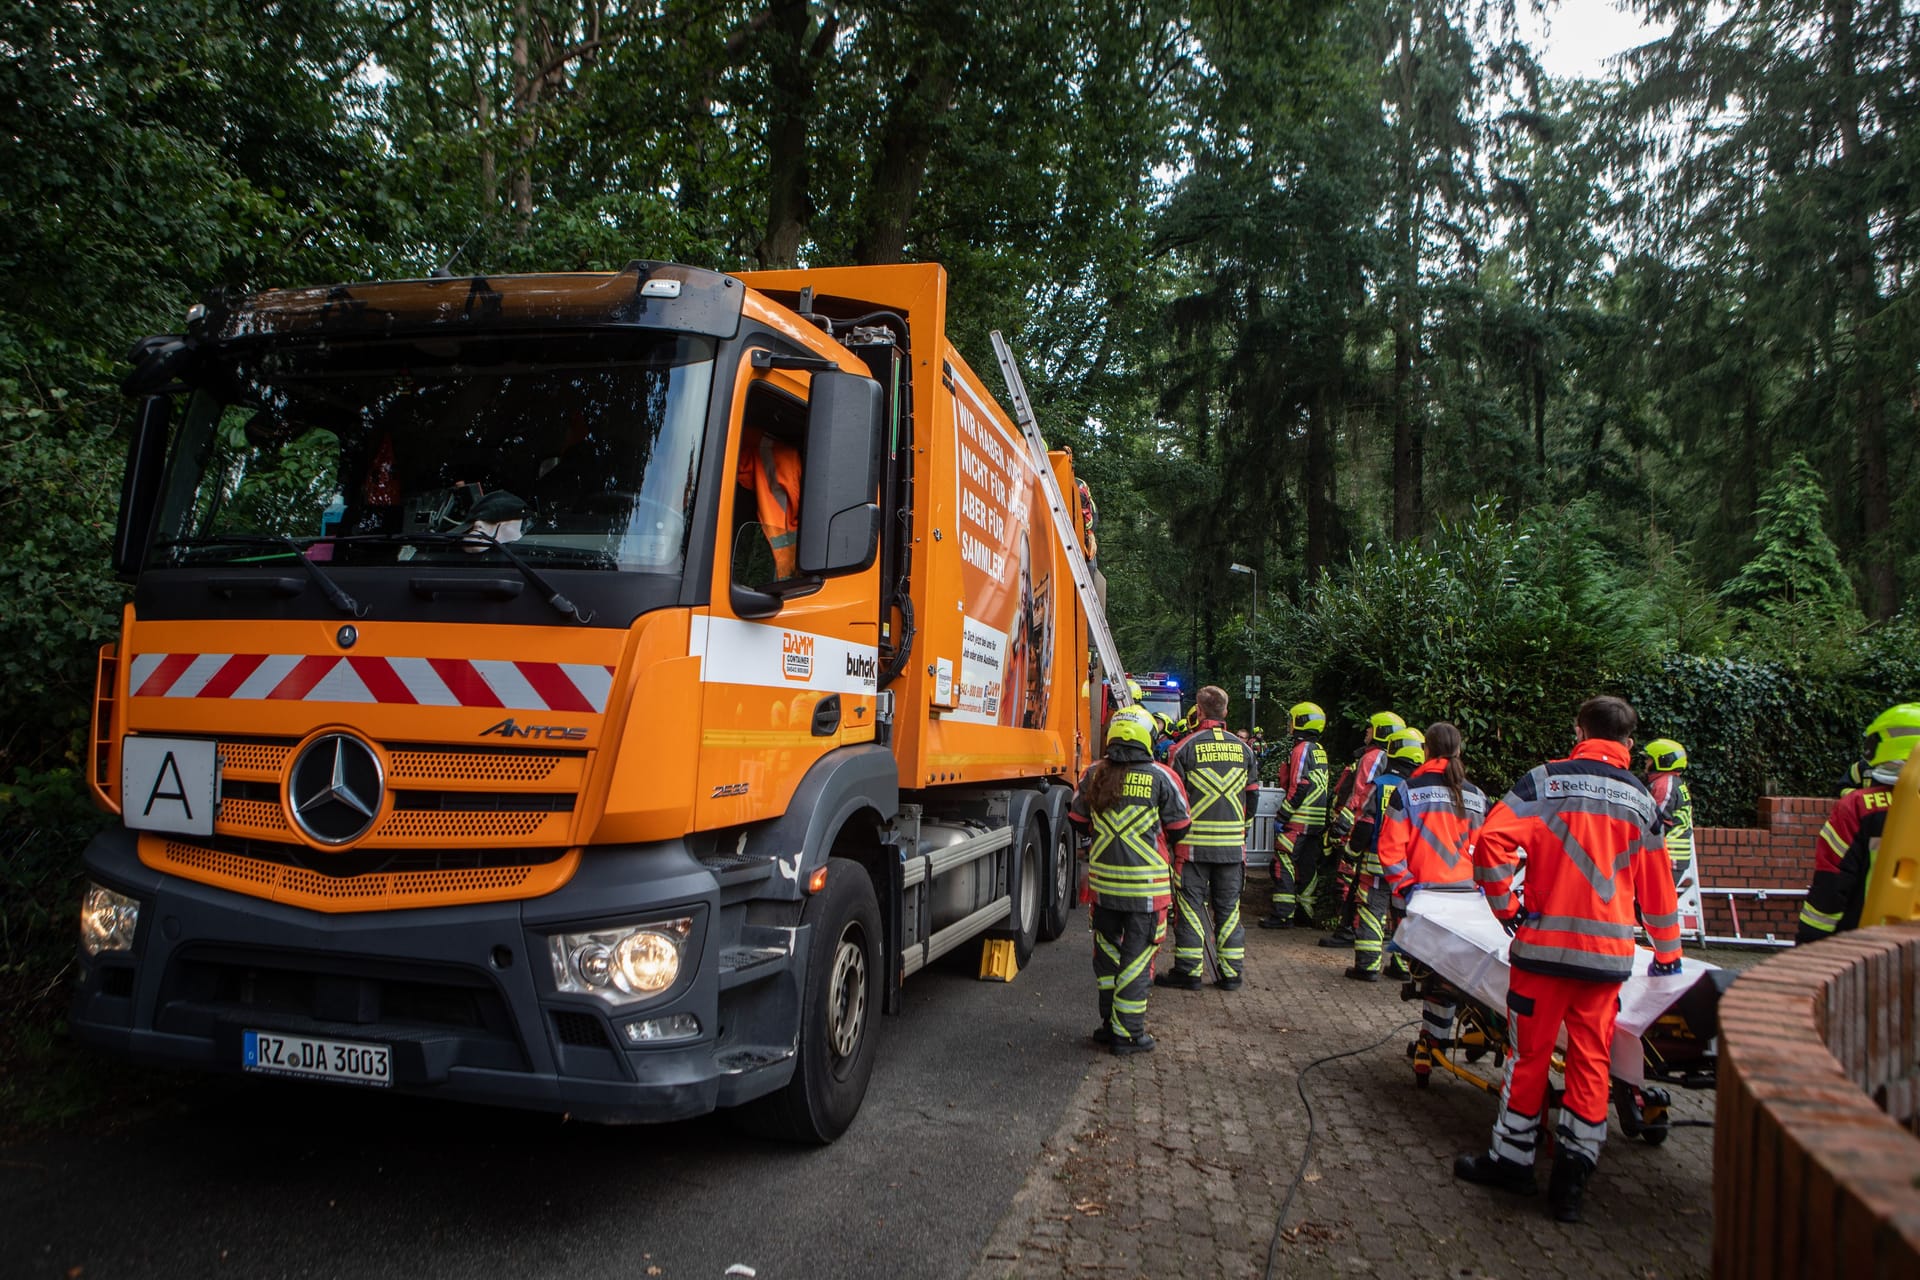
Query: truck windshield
[[580, 450]]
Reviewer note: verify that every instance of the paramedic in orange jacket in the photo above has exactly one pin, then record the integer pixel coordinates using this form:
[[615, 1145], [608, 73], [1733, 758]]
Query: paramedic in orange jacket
[[1594, 854], [1426, 840]]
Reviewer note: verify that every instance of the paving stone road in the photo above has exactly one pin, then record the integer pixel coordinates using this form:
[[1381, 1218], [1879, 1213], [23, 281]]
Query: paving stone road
[[1175, 1163]]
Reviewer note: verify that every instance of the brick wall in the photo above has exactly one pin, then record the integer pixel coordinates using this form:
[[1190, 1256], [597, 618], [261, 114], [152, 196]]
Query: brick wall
[[1810, 1177], [1778, 854]]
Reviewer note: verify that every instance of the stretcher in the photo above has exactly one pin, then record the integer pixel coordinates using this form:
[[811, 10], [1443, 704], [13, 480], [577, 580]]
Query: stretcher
[[1665, 1033]]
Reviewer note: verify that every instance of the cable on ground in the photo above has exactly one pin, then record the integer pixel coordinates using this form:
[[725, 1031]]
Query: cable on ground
[[1306, 1157]]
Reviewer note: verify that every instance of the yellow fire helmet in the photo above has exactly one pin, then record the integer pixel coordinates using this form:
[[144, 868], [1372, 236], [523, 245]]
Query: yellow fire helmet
[[1409, 745], [1131, 724], [1381, 724], [1307, 717], [1666, 755], [1893, 735]]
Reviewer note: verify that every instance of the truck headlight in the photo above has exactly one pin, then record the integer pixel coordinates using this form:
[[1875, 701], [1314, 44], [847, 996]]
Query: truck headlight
[[623, 964], [107, 920]]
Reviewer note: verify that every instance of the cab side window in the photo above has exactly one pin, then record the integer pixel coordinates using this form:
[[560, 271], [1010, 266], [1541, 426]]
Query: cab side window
[[766, 500]]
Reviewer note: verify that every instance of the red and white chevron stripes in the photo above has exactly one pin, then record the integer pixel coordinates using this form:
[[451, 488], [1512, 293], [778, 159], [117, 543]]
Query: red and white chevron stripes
[[425, 682]]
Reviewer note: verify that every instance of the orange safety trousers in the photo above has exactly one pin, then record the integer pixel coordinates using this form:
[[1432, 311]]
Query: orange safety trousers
[[1537, 1006]]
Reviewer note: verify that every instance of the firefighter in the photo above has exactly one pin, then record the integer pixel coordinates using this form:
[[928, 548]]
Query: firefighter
[[1303, 816], [1404, 755], [1666, 761], [1131, 807], [1594, 854], [1351, 793], [1426, 840], [1850, 841], [1217, 769]]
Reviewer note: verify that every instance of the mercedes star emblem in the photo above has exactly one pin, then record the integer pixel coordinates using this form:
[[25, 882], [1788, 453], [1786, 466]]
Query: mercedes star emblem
[[334, 789]]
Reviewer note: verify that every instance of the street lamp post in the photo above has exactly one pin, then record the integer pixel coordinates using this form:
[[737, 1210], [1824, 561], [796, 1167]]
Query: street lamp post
[[1253, 621]]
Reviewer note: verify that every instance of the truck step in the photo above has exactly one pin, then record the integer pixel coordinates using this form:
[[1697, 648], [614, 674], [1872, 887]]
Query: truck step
[[741, 965], [732, 869]]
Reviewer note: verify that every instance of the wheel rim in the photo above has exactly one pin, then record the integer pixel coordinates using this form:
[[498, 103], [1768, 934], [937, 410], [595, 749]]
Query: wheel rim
[[847, 996], [1029, 889]]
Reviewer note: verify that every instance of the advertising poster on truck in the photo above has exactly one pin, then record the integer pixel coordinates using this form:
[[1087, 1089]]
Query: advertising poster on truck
[[1006, 578]]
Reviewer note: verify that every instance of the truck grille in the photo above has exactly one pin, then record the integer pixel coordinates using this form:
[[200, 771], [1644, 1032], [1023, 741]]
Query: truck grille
[[263, 870], [480, 795]]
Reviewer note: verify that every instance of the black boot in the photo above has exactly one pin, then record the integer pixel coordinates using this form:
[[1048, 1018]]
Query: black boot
[[1363, 975], [1341, 937], [1142, 1043], [1175, 978], [1490, 1171], [1102, 1035], [1567, 1185], [1273, 921]]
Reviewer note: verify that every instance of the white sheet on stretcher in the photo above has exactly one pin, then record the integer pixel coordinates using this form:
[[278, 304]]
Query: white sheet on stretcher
[[1454, 933]]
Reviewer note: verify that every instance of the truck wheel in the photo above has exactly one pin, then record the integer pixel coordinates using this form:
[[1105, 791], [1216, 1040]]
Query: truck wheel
[[838, 1015], [1029, 895], [1053, 921]]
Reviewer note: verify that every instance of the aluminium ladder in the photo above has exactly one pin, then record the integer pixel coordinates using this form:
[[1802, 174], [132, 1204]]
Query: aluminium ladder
[[1065, 524]]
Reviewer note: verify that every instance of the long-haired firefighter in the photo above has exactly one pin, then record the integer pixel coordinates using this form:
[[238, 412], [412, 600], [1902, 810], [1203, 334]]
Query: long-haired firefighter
[[1135, 810]]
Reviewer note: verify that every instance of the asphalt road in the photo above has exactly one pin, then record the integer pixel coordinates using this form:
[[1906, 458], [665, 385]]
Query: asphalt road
[[253, 1178]]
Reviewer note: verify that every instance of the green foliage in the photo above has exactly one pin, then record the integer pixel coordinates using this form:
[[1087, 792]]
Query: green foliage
[[1494, 626], [1758, 726]]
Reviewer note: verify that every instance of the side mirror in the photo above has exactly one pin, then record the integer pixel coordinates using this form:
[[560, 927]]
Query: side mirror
[[140, 485], [839, 495]]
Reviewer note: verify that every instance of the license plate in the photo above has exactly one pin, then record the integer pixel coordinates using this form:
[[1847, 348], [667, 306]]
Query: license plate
[[350, 1060]]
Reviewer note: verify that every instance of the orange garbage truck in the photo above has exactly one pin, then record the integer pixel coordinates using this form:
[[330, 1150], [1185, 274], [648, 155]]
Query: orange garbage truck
[[592, 692]]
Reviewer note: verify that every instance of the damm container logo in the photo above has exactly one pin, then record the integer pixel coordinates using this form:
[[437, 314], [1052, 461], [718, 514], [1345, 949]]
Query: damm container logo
[[796, 656]]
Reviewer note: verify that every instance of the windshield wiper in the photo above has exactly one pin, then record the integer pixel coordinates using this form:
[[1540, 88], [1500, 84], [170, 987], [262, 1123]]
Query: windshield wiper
[[558, 602], [336, 595]]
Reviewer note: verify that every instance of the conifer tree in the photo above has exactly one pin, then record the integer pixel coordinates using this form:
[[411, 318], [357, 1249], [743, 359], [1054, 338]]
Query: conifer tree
[[1796, 567]]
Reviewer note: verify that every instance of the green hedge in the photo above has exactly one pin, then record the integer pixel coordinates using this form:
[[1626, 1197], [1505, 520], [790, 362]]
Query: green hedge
[[1503, 627]]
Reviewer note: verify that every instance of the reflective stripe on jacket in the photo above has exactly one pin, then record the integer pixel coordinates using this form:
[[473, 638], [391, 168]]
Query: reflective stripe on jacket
[[1365, 770], [1675, 802], [1128, 869], [1843, 862], [1423, 838], [1594, 850], [1308, 784], [1222, 785]]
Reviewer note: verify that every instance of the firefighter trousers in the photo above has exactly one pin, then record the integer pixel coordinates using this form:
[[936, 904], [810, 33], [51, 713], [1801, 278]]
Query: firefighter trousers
[[1293, 872], [1537, 1006], [1123, 945], [1209, 888], [1370, 914]]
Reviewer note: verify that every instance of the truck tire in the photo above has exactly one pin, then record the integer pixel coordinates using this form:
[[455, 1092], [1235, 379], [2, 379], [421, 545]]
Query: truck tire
[[1029, 894], [839, 1015], [1060, 885]]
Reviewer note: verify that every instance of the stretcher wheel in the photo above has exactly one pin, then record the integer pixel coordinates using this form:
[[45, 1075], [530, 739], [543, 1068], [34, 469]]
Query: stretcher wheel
[[1653, 1136], [1422, 1081]]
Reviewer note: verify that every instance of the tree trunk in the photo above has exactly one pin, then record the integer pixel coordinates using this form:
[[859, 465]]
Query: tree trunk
[[1319, 485], [525, 101], [906, 141], [788, 206], [1869, 406], [1409, 446]]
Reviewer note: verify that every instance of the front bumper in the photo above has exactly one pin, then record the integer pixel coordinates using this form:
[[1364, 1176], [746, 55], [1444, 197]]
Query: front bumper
[[464, 995]]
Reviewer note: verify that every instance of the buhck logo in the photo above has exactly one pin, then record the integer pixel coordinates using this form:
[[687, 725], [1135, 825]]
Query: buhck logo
[[862, 666], [796, 655]]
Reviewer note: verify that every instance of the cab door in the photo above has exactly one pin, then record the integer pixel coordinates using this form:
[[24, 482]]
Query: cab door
[[788, 663]]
